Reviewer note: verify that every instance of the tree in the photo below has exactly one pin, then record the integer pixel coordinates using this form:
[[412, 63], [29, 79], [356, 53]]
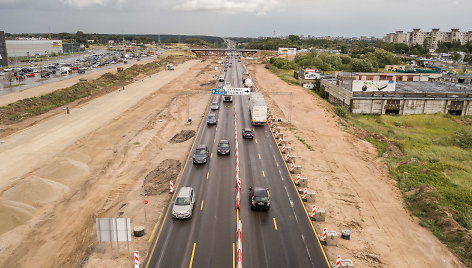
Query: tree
[[10, 77], [293, 38], [456, 57], [361, 65]]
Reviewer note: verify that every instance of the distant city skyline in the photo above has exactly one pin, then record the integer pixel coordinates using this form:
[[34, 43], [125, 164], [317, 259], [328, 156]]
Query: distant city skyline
[[242, 18]]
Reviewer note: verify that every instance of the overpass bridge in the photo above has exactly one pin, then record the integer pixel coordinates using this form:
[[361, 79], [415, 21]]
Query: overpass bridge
[[222, 51]]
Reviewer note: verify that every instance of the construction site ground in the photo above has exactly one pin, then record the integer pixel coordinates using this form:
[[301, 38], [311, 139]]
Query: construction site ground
[[102, 160], [352, 184]]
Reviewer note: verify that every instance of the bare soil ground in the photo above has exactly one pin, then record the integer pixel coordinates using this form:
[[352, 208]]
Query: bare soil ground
[[58, 175], [352, 184]]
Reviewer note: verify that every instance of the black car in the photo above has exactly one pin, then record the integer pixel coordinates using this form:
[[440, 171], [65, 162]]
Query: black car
[[201, 155], [211, 119], [227, 98], [248, 133], [223, 147], [259, 198]]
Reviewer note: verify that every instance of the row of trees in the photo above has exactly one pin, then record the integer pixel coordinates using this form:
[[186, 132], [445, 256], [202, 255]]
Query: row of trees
[[369, 61]]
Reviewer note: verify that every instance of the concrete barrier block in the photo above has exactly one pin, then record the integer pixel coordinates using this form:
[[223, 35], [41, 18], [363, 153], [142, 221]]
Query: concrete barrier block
[[332, 238], [280, 142], [311, 197], [347, 263], [320, 214], [303, 181], [280, 136], [297, 169]]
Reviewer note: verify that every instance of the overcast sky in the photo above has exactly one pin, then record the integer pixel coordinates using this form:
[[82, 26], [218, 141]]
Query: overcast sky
[[234, 17]]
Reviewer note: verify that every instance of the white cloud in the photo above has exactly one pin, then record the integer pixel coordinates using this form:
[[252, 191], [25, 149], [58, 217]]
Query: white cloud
[[259, 7], [86, 3]]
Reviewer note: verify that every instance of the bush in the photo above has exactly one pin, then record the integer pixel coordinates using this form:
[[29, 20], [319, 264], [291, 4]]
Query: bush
[[463, 138], [283, 63], [341, 111]]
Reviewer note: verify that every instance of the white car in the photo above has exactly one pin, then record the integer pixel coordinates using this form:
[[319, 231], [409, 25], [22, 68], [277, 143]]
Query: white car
[[183, 203]]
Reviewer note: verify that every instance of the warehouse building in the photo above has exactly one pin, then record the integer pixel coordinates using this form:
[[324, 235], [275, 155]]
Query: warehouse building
[[3, 50], [395, 94], [31, 48]]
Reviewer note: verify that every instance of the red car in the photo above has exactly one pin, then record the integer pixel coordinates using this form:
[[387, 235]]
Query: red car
[[75, 68], [30, 75]]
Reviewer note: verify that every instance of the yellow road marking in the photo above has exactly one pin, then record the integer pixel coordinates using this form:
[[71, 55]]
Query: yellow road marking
[[234, 258], [208, 174], [263, 173], [237, 216], [275, 223], [260, 156], [193, 255], [201, 206]]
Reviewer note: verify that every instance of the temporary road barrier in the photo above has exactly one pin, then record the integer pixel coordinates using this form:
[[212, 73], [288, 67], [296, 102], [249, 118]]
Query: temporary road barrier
[[136, 259], [171, 185]]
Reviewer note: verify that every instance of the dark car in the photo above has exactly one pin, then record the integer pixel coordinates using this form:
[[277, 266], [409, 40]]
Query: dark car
[[259, 198], [201, 155], [211, 119], [248, 133], [223, 147]]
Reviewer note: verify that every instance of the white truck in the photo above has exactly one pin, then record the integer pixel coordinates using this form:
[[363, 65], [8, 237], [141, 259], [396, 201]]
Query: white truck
[[257, 108]]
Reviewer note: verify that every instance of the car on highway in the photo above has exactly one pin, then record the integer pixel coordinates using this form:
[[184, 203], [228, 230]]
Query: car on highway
[[211, 119], [248, 133], [223, 148], [183, 203], [215, 106], [227, 98], [200, 156], [259, 198], [228, 83]]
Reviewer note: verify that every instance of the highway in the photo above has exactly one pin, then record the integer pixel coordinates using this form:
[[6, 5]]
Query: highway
[[281, 237]]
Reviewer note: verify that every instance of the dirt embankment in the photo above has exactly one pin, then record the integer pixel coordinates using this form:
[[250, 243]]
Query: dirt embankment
[[100, 175], [352, 184], [157, 181]]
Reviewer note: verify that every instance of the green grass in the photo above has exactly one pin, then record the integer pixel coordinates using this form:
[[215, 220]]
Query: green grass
[[285, 75], [308, 146], [434, 172]]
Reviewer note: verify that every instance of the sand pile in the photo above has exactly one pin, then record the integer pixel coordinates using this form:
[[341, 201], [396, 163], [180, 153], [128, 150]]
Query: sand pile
[[182, 136], [35, 191], [63, 169], [157, 181], [13, 214]]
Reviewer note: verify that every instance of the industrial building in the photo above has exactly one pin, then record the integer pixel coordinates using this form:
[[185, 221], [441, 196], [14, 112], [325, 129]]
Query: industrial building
[[429, 39], [403, 94], [3, 50], [31, 48]]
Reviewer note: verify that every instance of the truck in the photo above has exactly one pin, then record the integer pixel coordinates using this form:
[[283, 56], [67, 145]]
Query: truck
[[257, 108]]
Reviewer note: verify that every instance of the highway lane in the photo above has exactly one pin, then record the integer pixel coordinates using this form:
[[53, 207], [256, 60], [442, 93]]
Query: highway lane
[[281, 237]]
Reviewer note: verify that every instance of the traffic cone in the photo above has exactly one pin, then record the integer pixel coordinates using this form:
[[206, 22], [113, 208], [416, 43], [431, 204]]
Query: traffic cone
[[324, 235], [337, 264], [305, 194], [313, 212]]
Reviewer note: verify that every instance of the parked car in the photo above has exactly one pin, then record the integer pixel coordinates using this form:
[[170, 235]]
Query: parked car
[[223, 147], [214, 106], [211, 119], [200, 156], [183, 203], [30, 75], [248, 133], [259, 198]]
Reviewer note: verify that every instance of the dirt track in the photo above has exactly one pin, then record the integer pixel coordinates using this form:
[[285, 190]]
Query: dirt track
[[91, 163], [353, 185]]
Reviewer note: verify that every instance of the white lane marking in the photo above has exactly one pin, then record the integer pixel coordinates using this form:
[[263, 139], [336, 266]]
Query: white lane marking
[[307, 251]]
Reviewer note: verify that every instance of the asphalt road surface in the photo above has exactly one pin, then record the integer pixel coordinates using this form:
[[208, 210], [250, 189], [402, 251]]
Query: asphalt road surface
[[281, 237]]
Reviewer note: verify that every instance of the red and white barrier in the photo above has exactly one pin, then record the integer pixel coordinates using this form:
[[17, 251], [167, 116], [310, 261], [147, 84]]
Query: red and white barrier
[[305, 194], [313, 211], [337, 264], [171, 187], [238, 184], [284, 149], [324, 235], [239, 245], [238, 199], [136, 259], [287, 158], [292, 167], [298, 179]]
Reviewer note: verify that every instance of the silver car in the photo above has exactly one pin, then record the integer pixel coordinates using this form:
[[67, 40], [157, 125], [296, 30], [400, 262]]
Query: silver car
[[183, 203]]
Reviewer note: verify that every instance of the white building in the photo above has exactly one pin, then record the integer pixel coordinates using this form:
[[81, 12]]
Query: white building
[[429, 39], [31, 48]]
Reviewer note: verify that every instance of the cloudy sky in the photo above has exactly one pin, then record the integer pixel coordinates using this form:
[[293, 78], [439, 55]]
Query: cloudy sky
[[234, 17]]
